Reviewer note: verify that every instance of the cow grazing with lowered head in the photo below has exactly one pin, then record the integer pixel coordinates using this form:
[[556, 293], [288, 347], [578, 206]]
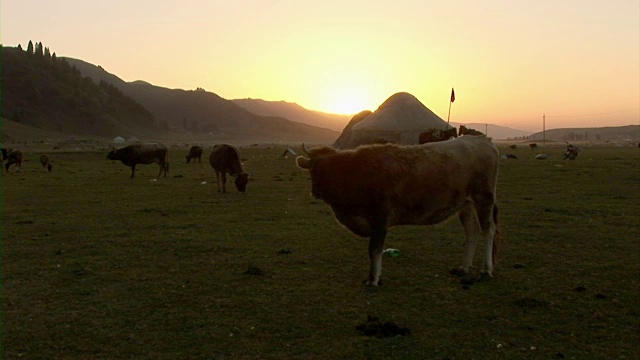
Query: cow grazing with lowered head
[[375, 187], [435, 135], [468, 131], [195, 153], [14, 157], [46, 162], [225, 160], [135, 154], [533, 146]]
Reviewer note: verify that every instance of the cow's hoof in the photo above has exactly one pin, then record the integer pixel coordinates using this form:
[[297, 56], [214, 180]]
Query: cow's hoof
[[458, 272], [485, 277]]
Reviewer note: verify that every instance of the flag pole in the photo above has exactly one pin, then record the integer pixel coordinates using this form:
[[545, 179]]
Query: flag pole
[[453, 98]]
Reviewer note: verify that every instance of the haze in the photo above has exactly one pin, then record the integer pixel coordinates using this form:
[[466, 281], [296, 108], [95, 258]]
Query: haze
[[510, 62]]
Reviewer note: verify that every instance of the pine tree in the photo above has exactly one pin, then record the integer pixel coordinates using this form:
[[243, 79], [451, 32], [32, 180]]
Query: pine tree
[[54, 57], [47, 53], [19, 47], [30, 48], [39, 51]]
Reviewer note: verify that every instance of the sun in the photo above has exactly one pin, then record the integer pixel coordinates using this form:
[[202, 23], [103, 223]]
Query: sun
[[345, 99]]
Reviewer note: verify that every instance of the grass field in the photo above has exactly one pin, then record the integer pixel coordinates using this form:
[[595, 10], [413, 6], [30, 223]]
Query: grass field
[[98, 266]]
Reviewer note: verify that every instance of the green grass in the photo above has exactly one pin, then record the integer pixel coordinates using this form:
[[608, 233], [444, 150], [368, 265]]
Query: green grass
[[98, 266]]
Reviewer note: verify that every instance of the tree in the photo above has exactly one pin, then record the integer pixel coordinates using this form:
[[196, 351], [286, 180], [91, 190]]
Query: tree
[[47, 53], [30, 48], [39, 52], [54, 57], [19, 47]]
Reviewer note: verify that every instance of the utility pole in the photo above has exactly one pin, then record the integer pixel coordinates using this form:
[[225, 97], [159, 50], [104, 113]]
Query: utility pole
[[544, 137], [486, 129]]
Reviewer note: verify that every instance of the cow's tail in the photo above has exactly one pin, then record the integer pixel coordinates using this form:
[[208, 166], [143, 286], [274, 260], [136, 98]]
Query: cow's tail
[[496, 237]]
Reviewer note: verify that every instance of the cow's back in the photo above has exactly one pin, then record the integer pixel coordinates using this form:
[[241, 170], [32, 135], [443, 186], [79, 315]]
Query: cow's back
[[225, 158], [146, 153]]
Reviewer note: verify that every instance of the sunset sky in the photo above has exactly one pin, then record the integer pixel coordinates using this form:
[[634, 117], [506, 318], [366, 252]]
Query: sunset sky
[[510, 61]]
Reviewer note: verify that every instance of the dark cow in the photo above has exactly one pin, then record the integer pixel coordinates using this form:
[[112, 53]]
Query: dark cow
[[225, 159], [512, 146], [46, 162], [135, 154], [435, 135], [533, 146], [468, 131], [195, 153], [14, 157], [5, 155], [375, 187]]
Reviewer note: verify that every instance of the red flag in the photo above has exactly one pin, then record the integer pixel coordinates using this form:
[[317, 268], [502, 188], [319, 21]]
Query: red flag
[[453, 95]]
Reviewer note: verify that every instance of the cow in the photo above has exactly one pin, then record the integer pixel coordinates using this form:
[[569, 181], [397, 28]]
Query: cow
[[533, 146], [435, 135], [14, 157], [468, 131], [512, 146], [46, 162], [375, 187], [225, 159], [5, 155], [195, 153], [135, 154]]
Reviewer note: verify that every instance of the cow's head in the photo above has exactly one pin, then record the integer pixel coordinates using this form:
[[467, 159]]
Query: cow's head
[[241, 182], [318, 176], [113, 154]]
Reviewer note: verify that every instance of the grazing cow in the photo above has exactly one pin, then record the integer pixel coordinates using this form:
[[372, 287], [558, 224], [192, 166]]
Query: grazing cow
[[435, 135], [46, 163], [512, 146], [14, 157], [375, 187], [225, 159], [468, 131], [533, 146], [195, 153], [135, 154]]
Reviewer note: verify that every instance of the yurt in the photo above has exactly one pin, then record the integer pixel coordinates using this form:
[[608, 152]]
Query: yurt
[[400, 119]]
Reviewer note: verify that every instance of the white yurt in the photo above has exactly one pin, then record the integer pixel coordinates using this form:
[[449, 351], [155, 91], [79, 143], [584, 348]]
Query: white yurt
[[118, 140], [400, 119]]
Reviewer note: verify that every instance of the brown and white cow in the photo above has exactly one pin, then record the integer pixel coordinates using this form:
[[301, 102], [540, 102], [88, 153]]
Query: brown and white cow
[[375, 187], [195, 153], [225, 159], [14, 157], [135, 154], [468, 131], [435, 135], [46, 162]]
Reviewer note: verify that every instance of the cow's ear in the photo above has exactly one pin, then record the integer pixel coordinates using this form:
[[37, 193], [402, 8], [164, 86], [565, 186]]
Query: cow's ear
[[303, 162]]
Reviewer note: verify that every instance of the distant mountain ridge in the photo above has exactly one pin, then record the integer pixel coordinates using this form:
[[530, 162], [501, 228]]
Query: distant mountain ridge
[[202, 112], [45, 92], [610, 133], [295, 112]]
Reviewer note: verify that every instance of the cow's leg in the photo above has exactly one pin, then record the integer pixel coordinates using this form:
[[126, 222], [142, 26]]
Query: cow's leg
[[218, 180], [469, 219], [487, 216], [133, 170], [376, 244], [224, 182], [161, 168]]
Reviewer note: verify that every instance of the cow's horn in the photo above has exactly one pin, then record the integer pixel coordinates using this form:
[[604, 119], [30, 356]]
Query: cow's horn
[[304, 148]]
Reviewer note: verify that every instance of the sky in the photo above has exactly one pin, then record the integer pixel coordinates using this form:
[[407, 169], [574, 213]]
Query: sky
[[577, 62]]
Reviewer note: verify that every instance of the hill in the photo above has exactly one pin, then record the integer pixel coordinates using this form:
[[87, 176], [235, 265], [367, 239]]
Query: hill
[[295, 112], [614, 133], [205, 114], [47, 93], [495, 131]]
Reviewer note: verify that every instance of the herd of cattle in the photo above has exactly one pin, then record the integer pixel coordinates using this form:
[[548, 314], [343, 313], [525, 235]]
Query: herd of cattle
[[375, 187]]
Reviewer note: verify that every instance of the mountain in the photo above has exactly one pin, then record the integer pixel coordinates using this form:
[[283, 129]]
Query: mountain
[[612, 133], [205, 114], [45, 92], [295, 112]]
